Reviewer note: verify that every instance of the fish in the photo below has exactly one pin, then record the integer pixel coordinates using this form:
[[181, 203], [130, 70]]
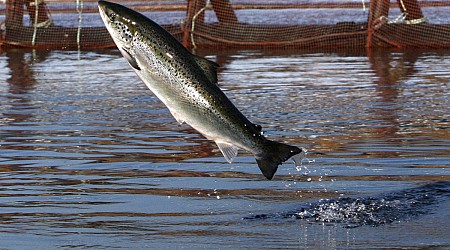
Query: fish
[[187, 84]]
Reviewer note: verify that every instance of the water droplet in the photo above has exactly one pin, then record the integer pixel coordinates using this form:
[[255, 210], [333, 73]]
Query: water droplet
[[299, 160]]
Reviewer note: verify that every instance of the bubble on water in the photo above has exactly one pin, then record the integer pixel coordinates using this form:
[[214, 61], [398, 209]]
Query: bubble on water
[[215, 193]]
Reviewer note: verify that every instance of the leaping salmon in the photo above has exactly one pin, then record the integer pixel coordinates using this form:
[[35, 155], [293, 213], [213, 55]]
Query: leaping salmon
[[187, 85]]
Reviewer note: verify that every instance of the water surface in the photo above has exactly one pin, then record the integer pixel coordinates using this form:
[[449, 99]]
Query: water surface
[[89, 158]]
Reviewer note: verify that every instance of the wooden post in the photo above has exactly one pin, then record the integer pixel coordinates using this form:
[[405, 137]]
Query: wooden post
[[42, 17], [411, 8], [194, 6], [378, 10], [14, 13], [224, 11]]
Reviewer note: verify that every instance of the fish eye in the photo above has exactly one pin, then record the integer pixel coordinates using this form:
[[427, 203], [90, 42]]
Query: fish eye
[[111, 14]]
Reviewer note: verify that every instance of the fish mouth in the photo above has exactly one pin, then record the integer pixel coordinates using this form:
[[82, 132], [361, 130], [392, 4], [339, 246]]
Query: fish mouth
[[110, 11], [104, 11], [104, 6], [115, 22]]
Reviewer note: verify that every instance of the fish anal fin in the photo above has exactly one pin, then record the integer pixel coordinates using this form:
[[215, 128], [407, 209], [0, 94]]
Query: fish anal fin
[[209, 68], [176, 116], [228, 150]]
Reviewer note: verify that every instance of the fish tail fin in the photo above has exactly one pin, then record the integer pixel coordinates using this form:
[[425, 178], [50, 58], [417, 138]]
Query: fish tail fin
[[275, 153]]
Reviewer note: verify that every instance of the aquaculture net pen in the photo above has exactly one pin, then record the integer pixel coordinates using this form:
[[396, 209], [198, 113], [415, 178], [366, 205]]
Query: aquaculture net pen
[[76, 24]]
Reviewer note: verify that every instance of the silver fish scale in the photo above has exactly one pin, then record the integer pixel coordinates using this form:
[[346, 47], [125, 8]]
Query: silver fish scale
[[164, 70], [169, 66]]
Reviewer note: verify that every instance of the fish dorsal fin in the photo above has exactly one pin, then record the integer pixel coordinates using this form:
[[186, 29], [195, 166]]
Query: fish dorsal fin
[[209, 68], [228, 150]]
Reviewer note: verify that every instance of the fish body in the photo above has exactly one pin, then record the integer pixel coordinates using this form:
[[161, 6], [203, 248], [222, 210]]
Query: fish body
[[187, 85]]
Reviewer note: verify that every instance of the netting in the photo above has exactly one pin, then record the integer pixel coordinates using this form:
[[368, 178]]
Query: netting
[[237, 23]]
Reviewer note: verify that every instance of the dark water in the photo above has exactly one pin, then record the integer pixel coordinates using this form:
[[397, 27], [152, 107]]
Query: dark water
[[89, 158]]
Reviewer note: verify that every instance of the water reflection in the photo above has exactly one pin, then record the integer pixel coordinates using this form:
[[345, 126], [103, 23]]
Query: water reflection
[[21, 80], [86, 152], [391, 70]]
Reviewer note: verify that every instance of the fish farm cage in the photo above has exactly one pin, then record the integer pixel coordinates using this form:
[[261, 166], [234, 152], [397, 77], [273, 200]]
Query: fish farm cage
[[76, 24]]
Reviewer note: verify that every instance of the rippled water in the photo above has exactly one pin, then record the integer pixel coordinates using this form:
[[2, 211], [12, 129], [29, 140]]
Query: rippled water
[[89, 158]]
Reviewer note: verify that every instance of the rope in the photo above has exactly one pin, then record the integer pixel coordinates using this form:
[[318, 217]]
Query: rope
[[194, 46], [364, 7], [403, 5], [36, 13], [400, 18], [45, 24], [405, 13], [80, 11], [417, 21]]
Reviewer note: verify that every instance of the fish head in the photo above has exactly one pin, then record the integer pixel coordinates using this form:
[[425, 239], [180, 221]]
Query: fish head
[[123, 26]]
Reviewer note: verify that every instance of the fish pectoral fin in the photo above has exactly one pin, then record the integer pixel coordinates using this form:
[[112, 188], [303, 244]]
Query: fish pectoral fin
[[209, 68], [131, 60], [228, 150]]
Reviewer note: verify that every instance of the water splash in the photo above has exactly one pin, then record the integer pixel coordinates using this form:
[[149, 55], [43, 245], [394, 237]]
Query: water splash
[[373, 211], [300, 159]]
